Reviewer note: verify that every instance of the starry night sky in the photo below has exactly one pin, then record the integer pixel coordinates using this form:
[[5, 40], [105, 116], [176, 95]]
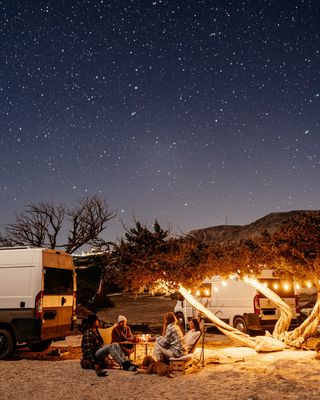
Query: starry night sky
[[196, 112]]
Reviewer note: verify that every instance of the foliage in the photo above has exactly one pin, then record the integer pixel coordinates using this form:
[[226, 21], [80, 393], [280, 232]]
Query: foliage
[[42, 225], [146, 257], [134, 265], [295, 246]]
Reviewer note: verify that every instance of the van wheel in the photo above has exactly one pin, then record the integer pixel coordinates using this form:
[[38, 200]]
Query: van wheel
[[240, 324], [40, 346], [181, 320], [6, 344]]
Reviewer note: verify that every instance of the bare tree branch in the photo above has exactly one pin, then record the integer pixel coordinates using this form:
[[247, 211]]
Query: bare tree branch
[[88, 221], [40, 225]]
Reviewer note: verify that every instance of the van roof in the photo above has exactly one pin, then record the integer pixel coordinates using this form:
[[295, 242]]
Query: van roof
[[16, 247]]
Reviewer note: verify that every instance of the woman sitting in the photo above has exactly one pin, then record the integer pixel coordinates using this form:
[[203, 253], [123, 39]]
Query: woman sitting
[[172, 343], [193, 334]]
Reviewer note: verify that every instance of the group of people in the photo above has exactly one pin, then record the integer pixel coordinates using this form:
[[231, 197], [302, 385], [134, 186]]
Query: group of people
[[94, 352], [172, 343]]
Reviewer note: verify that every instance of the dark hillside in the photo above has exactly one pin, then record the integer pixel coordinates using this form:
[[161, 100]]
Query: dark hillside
[[233, 233]]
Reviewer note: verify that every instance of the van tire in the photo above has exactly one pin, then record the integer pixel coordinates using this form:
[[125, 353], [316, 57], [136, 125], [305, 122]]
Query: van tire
[[7, 344], [40, 346], [181, 320], [240, 324]]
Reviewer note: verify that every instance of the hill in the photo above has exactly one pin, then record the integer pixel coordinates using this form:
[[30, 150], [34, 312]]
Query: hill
[[234, 233]]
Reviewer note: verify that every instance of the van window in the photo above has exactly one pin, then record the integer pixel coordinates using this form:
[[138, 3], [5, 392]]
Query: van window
[[282, 288], [58, 281]]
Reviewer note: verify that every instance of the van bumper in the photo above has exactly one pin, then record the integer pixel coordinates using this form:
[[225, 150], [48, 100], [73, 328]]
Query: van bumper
[[254, 322], [27, 329]]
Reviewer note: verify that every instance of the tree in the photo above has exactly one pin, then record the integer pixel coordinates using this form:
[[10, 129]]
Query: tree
[[134, 266], [38, 225], [42, 225], [295, 248]]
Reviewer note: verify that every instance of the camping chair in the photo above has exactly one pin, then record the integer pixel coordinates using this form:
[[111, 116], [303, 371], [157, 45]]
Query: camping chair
[[184, 365], [106, 334]]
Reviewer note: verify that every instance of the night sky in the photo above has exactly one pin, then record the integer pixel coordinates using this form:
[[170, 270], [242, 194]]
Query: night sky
[[197, 113]]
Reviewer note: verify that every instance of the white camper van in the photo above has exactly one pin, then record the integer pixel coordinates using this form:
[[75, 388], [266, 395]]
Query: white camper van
[[37, 297], [240, 305]]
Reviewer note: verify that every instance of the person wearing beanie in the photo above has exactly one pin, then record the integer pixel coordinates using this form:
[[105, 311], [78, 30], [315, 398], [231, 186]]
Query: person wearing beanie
[[122, 333], [94, 352]]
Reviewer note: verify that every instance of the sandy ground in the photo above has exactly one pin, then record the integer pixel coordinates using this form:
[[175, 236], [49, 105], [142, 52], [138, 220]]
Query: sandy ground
[[229, 373]]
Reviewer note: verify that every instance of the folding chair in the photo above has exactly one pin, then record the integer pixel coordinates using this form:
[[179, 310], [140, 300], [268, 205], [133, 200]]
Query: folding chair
[[184, 365]]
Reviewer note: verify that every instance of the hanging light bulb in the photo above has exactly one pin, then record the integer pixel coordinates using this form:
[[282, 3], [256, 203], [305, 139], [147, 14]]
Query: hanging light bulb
[[224, 283], [297, 286], [198, 293], [265, 284], [275, 286], [286, 286], [309, 284]]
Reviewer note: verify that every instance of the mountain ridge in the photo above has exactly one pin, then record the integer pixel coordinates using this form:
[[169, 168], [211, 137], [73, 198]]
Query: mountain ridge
[[234, 233]]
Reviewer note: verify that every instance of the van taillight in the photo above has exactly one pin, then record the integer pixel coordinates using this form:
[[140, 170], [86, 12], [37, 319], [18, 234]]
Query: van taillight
[[38, 305], [74, 305], [256, 304]]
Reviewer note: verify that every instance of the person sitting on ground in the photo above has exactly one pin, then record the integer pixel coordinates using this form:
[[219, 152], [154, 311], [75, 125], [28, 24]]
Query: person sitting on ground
[[122, 333], [193, 333], [172, 343], [94, 352]]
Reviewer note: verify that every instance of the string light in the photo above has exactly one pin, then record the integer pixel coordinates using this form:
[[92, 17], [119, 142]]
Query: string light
[[215, 289], [309, 284], [286, 286], [297, 286], [224, 283], [275, 286]]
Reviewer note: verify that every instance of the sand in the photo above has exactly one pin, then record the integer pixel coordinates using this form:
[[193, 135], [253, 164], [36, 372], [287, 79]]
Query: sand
[[230, 373]]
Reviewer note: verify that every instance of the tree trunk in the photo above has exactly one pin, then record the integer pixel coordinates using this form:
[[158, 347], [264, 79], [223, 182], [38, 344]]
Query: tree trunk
[[284, 320], [307, 329], [261, 343]]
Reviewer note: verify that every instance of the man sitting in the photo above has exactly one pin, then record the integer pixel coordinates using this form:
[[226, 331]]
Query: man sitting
[[94, 352]]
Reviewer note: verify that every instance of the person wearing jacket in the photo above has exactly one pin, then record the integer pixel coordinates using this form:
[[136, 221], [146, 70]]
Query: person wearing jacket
[[172, 343], [122, 333]]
